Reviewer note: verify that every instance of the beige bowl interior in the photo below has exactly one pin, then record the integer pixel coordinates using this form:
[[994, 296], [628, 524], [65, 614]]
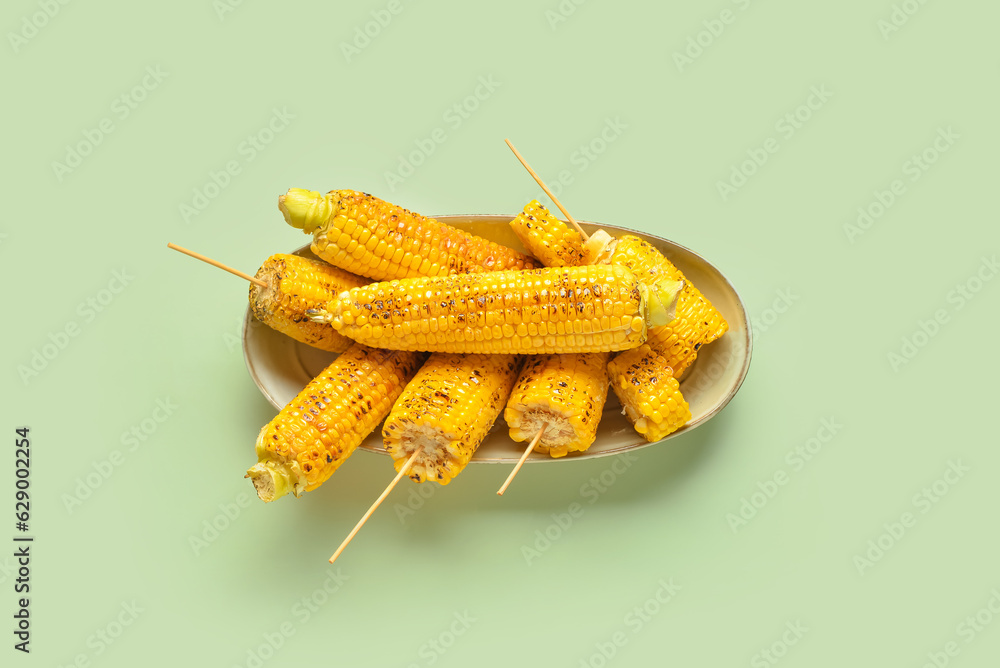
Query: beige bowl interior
[[281, 366]]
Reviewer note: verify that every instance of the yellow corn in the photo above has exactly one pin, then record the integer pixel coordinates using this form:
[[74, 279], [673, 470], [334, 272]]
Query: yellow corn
[[649, 393], [551, 310], [548, 239], [562, 394], [368, 236], [555, 243], [696, 321], [448, 408], [320, 428], [295, 285]]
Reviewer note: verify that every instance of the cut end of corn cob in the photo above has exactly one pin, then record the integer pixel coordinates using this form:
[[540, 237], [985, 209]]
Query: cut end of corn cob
[[272, 481], [447, 409], [649, 393], [599, 248], [294, 286], [661, 301], [563, 395], [305, 210]]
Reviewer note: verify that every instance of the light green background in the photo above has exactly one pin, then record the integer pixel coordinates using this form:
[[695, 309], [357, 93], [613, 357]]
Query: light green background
[[171, 333]]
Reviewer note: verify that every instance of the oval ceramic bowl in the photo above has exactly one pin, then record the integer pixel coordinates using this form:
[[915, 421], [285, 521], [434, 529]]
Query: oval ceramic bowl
[[281, 366]]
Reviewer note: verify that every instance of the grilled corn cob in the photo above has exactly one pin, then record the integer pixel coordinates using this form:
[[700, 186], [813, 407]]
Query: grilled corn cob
[[320, 428], [697, 322], [649, 393], [365, 235], [448, 408], [554, 242], [548, 239], [296, 284], [562, 394], [551, 310]]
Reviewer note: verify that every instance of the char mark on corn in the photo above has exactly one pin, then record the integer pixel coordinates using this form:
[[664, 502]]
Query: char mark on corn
[[550, 240], [696, 322], [448, 409], [552, 310], [365, 235], [295, 285], [320, 428], [650, 395], [563, 395]]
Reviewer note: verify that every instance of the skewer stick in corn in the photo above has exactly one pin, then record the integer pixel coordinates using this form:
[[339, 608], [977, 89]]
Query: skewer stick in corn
[[399, 476], [555, 200], [216, 263], [285, 287], [551, 240], [563, 395], [447, 410], [296, 284], [520, 462]]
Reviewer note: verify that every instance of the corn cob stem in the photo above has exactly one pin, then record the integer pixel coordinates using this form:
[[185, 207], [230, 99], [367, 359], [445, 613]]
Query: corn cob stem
[[271, 482], [305, 210], [399, 476], [520, 462], [216, 263], [548, 192]]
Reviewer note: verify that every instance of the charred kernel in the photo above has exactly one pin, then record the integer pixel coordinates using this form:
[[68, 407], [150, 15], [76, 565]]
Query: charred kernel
[[296, 285], [697, 322], [448, 407], [649, 393], [554, 393], [300, 435], [371, 237], [486, 317]]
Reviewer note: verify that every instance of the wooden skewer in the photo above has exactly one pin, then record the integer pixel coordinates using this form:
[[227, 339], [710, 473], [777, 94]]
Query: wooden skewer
[[548, 192], [399, 476], [216, 263], [520, 462]]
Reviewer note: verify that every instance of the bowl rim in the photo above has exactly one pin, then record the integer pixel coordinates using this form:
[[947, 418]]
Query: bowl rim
[[535, 457]]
